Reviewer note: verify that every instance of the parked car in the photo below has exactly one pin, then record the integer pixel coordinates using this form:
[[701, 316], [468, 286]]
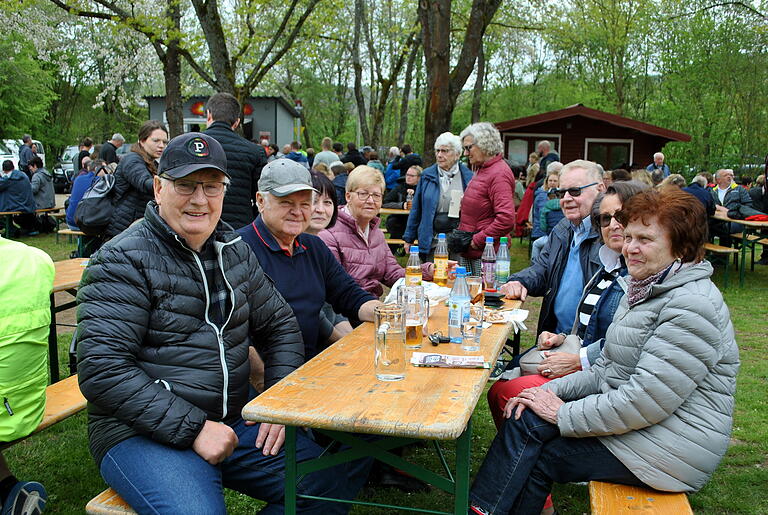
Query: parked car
[[124, 149], [11, 146], [64, 170]]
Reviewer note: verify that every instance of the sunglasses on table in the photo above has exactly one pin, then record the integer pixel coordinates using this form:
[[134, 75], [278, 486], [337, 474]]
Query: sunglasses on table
[[573, 192]]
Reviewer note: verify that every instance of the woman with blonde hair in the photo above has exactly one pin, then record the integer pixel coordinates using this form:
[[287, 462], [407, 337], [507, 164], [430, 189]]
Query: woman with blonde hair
[[356, 240]]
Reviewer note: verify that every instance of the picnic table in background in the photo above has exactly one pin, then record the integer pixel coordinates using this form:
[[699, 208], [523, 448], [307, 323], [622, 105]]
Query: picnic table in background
[[337, 394], [749, 238], [390, 211], [8, 218], [67, 278]]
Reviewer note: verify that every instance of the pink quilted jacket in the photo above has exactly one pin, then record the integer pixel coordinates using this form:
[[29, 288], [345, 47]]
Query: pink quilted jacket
[[370, 264]]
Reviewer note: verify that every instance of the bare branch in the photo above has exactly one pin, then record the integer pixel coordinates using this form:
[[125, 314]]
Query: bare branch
[[721, 4]]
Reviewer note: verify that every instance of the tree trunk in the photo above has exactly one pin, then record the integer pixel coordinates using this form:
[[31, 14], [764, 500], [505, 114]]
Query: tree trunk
[[477, 92], [172, 75], [407, 93], [443, 83], [210, 20], [357, 66]]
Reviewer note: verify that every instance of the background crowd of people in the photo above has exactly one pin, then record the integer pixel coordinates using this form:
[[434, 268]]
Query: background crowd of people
[[227, 264]]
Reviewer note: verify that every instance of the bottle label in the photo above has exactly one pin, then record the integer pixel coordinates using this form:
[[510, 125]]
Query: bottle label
[[441, 266], [458, 312]]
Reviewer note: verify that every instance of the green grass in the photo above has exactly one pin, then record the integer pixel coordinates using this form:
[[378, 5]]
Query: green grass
[[59, 457]]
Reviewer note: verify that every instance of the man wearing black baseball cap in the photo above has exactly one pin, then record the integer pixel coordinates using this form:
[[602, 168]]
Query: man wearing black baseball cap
[[167, 312]]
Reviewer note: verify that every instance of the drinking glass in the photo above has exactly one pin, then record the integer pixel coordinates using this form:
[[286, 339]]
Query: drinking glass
[[416, 305], [475, 284], [389, 348], [472, 330]]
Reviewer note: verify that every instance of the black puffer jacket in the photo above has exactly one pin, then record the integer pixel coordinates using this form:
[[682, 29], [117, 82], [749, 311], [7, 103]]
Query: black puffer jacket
[[543, 277], [132, 191], [149, 362], [245, 160]]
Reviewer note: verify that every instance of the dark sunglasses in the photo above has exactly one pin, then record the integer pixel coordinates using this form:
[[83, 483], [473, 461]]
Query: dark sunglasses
[[604, 219], [573, 192]]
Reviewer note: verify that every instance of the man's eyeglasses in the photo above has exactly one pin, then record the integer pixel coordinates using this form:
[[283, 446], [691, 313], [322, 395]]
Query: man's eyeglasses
[[187, 187], [605, 219], [573, 192], [364, 195]]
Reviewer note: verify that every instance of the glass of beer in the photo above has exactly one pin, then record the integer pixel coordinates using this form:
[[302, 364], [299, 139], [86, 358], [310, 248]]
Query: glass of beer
[[389, 347], [416, 305], [475, 284]]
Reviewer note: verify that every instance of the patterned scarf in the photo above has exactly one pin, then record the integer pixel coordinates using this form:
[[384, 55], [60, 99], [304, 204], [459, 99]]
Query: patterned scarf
[[639, 289]]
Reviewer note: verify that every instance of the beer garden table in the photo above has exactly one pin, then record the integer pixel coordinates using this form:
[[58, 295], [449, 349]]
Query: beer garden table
[[750, 228], [337, 394], [67, 278], [390, 211]]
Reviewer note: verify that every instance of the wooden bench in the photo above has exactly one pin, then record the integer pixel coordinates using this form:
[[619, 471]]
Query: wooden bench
[[108, 502], [62, 400], [613, 499], [724, 251]]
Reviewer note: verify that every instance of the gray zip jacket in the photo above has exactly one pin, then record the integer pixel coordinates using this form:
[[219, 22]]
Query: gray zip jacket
[[661, 396]]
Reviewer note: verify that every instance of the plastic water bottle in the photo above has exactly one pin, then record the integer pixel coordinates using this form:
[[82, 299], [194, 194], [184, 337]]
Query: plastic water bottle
[[441, 261], [413, 268], [489, 265], [502, 263], [458, 305]]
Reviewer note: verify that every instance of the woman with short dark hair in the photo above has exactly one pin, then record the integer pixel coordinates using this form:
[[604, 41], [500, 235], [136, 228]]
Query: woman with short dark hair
[[657, 408]]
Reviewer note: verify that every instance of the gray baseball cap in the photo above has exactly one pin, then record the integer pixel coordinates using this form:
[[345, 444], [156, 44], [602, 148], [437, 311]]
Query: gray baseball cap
[[282, 177]]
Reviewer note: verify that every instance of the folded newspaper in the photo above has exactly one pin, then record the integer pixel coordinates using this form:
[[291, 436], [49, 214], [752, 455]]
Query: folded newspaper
[[431, 359]]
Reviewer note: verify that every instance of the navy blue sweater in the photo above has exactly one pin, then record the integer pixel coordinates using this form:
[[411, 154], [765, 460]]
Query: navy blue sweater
[[307, 279]]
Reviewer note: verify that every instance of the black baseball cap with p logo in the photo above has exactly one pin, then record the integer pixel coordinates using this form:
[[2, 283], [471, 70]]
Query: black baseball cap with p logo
[[191, 152]]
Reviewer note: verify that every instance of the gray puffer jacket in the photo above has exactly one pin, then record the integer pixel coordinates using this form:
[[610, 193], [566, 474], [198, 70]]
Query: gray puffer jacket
[[661, 396], [149, 361]]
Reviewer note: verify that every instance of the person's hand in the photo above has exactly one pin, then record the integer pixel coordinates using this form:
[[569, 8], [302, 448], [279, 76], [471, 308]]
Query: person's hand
[[548, 340], [215, 443], [407, 248], [543, 402], [558, 364], [409, 190], [270, 439], [514, 290], [721, 210], [429, 271]]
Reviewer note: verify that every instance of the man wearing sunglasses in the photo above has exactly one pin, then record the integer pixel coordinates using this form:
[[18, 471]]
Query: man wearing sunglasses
[[570, 256]]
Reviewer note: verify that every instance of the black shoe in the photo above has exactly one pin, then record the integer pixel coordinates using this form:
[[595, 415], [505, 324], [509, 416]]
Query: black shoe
[[401, 481]]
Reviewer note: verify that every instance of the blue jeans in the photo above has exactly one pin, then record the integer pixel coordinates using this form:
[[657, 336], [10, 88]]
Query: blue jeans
[[528, 455], [159, 479]]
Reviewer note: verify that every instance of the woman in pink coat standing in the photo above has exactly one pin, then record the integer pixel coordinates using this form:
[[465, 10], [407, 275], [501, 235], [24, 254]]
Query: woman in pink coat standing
[[356, 240]]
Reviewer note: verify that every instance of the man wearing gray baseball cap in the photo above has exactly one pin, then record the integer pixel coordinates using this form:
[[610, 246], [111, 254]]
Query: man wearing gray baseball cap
[[303, 269], [167, 313]]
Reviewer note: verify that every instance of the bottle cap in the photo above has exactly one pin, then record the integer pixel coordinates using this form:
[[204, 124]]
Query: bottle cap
[[441, 236], [460, 270], [504, 239], [414, 249], [489, 239]]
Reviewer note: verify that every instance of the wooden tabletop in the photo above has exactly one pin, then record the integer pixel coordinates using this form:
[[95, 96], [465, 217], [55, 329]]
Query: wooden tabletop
[[748, 223], [68, 274], [338, 389], [390, 211]]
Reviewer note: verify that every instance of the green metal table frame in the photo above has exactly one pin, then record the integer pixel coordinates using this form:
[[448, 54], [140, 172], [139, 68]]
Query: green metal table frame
[[746, 232], [456, 483]]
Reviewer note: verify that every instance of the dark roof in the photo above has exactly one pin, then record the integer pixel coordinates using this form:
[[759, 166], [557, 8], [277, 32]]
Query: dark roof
[[580, 110], [280, 100]]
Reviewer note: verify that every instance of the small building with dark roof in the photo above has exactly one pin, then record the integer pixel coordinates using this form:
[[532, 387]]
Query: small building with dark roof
[[263, 117], [578, 132]]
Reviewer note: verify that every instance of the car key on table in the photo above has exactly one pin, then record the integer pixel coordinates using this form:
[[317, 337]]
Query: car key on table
[[437, 338]]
